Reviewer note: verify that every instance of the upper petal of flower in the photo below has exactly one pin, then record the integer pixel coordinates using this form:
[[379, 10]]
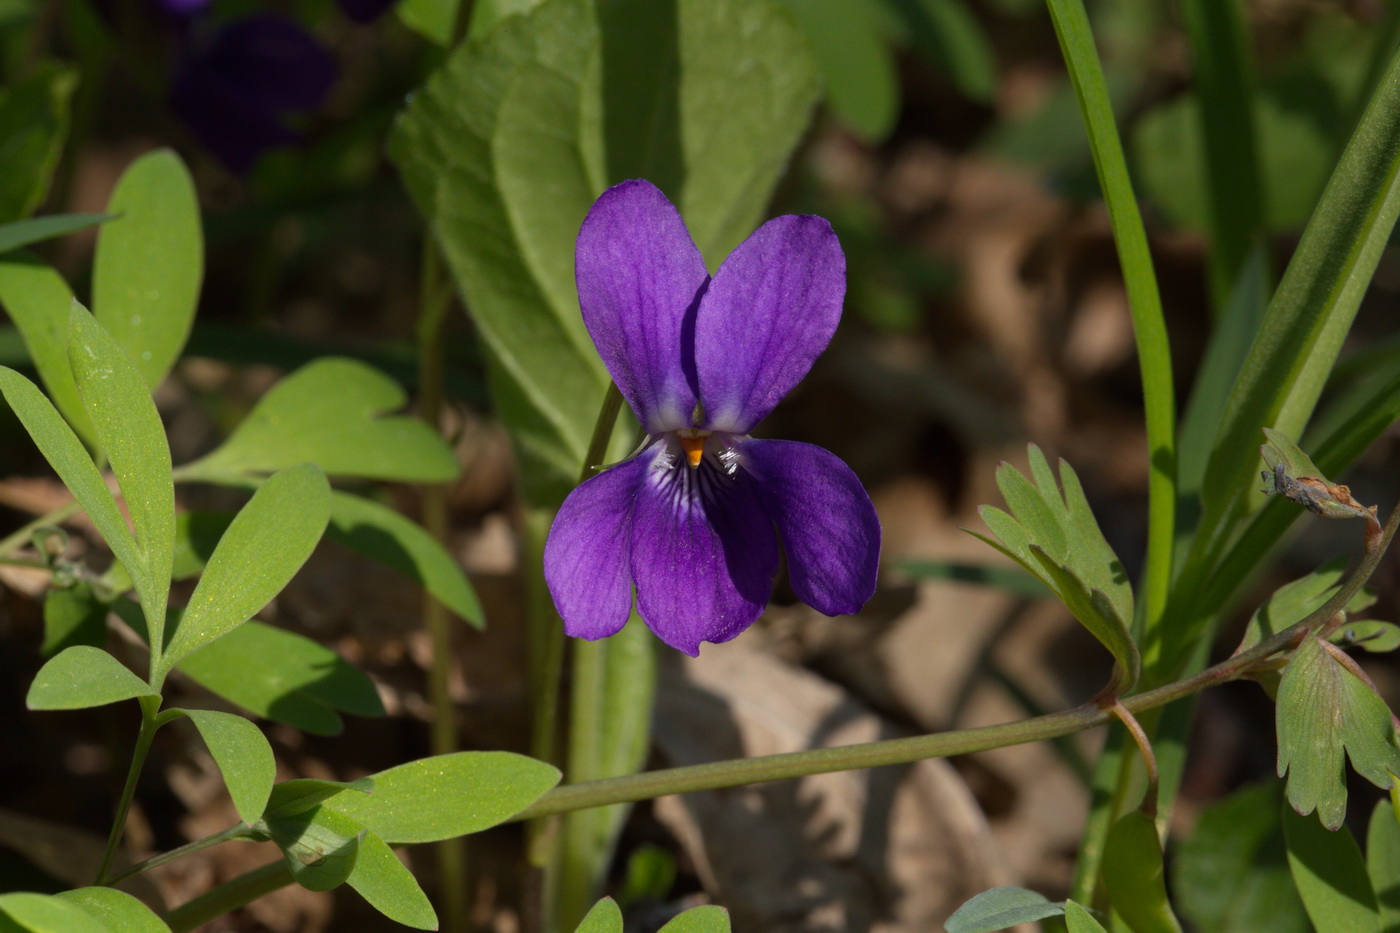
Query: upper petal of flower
[[586, 553], [830, 531], [703, 552], [638, 274], [768, 314]]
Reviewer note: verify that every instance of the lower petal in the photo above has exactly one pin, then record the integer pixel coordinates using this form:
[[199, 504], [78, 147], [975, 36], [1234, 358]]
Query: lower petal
[[586, 554], [703, 553], [830, 531]]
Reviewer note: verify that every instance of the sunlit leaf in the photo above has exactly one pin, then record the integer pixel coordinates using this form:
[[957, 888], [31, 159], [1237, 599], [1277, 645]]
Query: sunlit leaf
[[320, 846], [332, 413], [150, 262], [117, 909], [37, 300], [264, 547], [43, 913], [130, 432], [300, 794], [447, 795], [380, 878], [1079, 920]]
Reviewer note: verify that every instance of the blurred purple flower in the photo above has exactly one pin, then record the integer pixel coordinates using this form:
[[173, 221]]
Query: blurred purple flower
[[693, 520], [365, 11], [234, 89]]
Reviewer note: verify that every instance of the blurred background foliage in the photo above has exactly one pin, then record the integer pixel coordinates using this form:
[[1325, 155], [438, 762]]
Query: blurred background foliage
[[984, 308]]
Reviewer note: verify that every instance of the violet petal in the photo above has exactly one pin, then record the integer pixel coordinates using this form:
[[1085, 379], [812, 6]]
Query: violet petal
[[768, 314], [586, 553], [638, 274], [703, 553], [274, 61], [830, 531]]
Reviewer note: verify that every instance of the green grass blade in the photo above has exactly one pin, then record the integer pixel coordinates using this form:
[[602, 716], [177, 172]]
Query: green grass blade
[[1149, 326], [1311, 312], [1224, 83]]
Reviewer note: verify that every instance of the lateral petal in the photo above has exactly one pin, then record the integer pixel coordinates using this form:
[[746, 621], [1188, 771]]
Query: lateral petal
[[638, 275], [587, 551], [703, 552], [829, 528], [768, 314]]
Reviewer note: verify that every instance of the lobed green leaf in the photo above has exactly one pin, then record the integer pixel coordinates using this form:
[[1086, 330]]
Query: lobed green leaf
[[264, 547], [243, 755], [82, 676], [1324, 711], [149, 263], [331, 413]]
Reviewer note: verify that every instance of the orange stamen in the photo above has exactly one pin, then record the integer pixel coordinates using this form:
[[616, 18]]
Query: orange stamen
[[694, 448]]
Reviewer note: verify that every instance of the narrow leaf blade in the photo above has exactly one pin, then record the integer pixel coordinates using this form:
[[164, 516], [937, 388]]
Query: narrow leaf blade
[[264, 547], [390, 888]]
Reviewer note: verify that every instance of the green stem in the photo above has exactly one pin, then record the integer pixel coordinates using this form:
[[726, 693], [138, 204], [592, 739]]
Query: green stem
[[723, 774], [240, 831], [1139, 278], [435, 298], [228, 897], [150, 722]]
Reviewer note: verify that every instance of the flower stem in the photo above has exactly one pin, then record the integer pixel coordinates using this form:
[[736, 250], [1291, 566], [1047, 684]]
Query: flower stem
[[149, 724], [435, 299], [240, 831], [602, 431]]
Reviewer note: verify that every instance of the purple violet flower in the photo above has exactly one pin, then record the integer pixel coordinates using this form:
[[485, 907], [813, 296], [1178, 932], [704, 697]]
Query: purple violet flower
[[692, 521]]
